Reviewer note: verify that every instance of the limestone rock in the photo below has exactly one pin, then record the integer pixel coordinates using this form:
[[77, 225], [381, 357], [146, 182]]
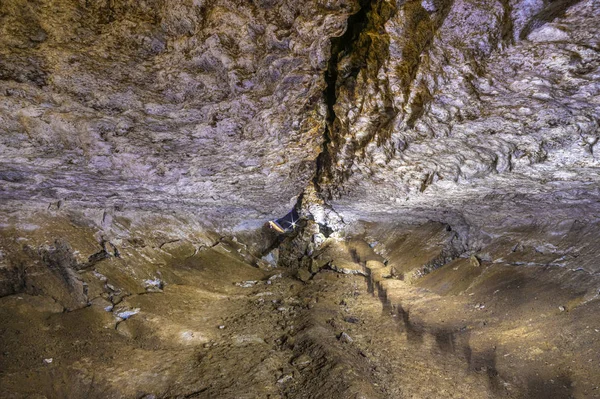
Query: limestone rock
[[227, 111], [345, 338], [374, 264], [466, 112], [212, 108]]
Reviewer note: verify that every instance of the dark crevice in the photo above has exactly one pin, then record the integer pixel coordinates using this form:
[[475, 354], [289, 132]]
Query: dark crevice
[[422, 27], [340, 47], [507, 24], [552, 10]]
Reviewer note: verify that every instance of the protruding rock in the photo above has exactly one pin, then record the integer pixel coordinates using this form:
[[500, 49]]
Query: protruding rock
[[247, 284], [302, 361], [272, 257], [102, 303], [303, 275], [374, 264], [314, 267], [345, 338], [347, 267]]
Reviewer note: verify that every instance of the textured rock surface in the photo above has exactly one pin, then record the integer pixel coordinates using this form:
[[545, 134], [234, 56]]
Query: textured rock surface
[[144, 143], [214, 108], [446, 110], [485, 108]]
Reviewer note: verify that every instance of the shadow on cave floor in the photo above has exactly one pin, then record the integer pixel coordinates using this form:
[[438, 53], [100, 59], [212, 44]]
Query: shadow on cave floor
[[222, 328]]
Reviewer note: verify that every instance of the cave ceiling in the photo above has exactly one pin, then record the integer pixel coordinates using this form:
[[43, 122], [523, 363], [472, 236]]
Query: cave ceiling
[[231, 109]]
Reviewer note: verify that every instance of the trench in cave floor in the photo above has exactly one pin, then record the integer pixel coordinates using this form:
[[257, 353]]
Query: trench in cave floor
[[336, 336]]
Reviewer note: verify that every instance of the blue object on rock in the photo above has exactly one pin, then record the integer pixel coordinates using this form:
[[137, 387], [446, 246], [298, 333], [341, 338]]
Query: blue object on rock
[[287, 223]]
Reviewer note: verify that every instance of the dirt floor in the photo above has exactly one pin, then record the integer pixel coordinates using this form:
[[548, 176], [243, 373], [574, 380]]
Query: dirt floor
[[217, 327]]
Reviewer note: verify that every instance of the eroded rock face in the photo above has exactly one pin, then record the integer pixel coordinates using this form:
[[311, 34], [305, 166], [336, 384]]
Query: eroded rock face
[[463, 112], [214, 108], [461, 109], [143, 143]]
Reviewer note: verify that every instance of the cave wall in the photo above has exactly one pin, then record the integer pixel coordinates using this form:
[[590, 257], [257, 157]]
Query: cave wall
[[470, 112], [143, 144], [206, 108], [483, 115]]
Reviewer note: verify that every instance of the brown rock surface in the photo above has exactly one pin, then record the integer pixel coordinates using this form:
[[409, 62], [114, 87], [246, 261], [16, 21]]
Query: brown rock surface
[[444, 151]]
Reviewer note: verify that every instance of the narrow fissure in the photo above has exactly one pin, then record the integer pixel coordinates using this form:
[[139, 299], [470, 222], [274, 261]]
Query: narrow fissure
[[340, 46]]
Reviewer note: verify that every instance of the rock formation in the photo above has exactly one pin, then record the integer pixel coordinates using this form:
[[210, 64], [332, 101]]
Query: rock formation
[[206, 108], [483, 109], [229, 110], [443, 153]]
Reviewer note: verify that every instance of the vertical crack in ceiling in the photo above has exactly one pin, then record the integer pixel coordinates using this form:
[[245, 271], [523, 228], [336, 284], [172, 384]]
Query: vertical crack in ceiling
[[342, 47]]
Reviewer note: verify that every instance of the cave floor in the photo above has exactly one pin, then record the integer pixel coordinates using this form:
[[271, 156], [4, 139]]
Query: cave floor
[[217, 334]]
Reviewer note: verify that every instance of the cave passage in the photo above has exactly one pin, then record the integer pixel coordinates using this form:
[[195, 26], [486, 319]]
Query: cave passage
[[358, 318], [436, 162]]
